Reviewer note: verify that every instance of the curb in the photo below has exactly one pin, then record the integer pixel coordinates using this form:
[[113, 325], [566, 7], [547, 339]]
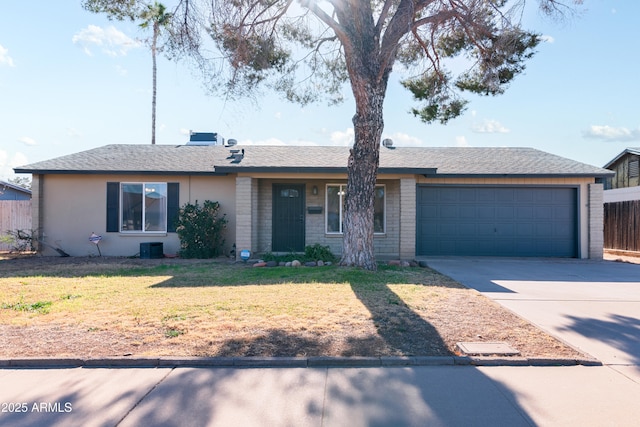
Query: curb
[[288, 362]]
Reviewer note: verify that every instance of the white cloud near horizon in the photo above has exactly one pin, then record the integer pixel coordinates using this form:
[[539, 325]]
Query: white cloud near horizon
[[7, 164], [5, 59], [461, 141], [612, 134], [401, 139], [110, 40], [344, 138], [27, 141], [489, 126]]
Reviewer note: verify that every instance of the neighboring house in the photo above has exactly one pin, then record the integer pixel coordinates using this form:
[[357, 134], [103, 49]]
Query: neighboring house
[[626, 167], [15, 211], [622, 202], [428, 201], [10, 191]]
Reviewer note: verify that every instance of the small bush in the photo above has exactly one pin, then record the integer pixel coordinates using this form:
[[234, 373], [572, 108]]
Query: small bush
[[20, 240], [200, 230], [316, 252]]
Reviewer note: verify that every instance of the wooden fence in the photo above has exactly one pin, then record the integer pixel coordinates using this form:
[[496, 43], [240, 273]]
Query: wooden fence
[[622, 225], [14, 215]]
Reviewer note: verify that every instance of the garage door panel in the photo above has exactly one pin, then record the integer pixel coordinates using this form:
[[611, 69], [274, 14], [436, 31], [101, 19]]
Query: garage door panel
[[505, 212], [486, 212], [498, 221]]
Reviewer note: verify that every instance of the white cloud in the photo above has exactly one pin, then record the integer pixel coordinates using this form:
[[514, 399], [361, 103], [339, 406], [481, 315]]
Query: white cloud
[[612, 134], [73, 132], [342, 138], [269, 141], [404, 140], [547, 39], [7, 164], [5, 59], [112, 41], [27, 141], [461, 141], [120, 70], [489, 126]]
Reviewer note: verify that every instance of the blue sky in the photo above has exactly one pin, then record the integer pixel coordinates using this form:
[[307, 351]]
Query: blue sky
[[71, 80]]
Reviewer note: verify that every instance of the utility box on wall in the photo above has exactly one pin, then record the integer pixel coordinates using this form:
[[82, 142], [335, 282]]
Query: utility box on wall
[[151, 250]]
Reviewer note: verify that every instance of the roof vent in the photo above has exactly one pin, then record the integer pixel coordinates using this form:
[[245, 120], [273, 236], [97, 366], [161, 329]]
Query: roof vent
[[231, 142], [387, 142]]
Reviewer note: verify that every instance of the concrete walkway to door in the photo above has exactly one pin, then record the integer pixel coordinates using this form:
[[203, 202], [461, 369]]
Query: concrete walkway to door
[[592, 305]]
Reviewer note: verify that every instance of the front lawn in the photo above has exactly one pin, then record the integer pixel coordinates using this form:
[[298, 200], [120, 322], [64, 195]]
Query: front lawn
[[87, 307]]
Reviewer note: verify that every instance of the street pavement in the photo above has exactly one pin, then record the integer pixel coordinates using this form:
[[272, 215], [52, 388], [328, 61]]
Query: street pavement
[[593, 306]]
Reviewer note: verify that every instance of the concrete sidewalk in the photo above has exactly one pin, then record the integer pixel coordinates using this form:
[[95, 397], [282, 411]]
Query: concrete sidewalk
[[389, 396]]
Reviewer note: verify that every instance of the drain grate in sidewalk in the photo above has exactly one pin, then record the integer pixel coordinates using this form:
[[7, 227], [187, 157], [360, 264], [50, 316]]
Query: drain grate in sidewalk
[[487, 349]]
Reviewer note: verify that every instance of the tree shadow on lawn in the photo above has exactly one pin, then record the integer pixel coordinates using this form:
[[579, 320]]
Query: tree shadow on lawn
[[400, 332]]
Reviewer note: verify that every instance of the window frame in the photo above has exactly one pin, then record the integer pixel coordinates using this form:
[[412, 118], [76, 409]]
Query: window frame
[[341, 193], [164, 222]]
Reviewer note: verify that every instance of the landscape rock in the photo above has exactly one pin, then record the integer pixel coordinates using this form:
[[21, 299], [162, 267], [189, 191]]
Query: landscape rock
[[320, 263], [310, 264], [272, 263], [260, 264], [295, 263], [394, 262], [287, 264]]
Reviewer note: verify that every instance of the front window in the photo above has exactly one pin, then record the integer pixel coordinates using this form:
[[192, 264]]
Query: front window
[[335, 208], [144, 207]]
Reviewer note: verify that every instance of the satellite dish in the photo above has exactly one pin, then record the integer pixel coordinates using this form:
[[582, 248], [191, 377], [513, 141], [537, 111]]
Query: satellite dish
[[231, 142], [387, 142]]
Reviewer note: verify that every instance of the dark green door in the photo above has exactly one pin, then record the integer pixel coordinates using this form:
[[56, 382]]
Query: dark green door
[[288, 218]]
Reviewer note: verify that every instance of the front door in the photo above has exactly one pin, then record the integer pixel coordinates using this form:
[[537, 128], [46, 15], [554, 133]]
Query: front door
[[288, 218]]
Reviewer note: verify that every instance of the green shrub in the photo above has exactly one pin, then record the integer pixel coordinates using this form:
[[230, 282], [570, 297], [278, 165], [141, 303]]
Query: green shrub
[[319, 252], [311, 253], [200, 230]]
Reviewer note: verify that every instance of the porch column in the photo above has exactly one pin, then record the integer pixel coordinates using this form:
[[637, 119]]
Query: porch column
[[596, 221], [407, 218], [246, 205]]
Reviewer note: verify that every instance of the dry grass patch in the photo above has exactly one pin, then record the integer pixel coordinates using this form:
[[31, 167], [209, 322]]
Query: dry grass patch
[[115, 306]]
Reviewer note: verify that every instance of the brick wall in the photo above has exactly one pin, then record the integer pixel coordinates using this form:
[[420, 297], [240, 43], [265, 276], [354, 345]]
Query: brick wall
[[596, 221]]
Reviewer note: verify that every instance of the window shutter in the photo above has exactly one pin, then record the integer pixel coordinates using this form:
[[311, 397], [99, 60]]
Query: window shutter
[[173, 205], [113, 206]]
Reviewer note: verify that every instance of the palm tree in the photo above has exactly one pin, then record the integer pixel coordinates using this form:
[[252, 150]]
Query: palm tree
[[154, 16]]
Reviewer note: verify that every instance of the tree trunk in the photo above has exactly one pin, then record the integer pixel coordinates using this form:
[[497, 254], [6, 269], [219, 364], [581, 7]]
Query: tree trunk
[[357, 244]]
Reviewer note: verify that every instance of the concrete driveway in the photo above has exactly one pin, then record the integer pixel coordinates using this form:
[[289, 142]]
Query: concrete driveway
[[592, 305]]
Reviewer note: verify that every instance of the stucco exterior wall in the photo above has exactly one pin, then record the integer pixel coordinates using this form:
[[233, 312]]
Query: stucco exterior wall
[[68, 208]]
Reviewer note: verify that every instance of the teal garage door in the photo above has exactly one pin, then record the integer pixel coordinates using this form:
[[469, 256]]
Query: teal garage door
[[497, 221]]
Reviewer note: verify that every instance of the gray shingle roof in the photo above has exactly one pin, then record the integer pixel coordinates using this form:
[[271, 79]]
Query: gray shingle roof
[[183, 159]]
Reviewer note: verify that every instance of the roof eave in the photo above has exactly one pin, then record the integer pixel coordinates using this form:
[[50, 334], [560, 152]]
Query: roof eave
[[518, 175], [327, 170], [112, 172]]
